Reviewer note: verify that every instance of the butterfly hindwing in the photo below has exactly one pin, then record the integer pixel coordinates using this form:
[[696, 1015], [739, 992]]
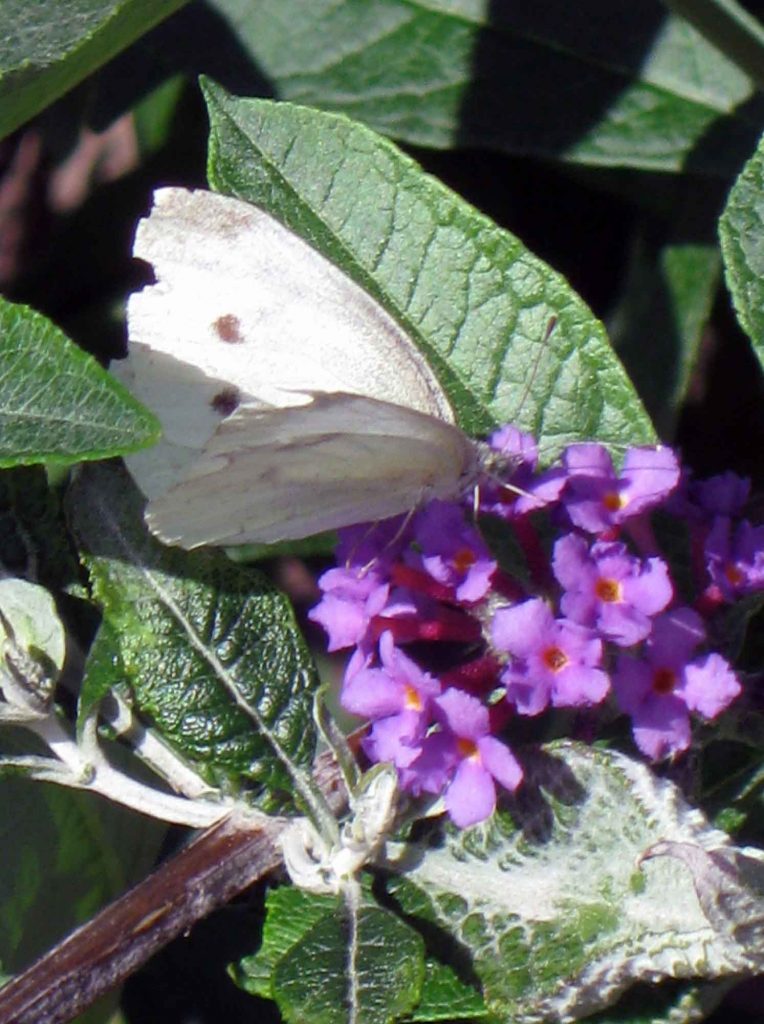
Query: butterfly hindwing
[[271, 475]]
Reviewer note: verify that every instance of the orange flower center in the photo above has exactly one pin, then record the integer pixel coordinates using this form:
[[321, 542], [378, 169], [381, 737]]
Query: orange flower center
[[555, 658], [609, 591], [466, 748], [613, 501], [465, 559], [734, 575], [413, 700], [664, 680]]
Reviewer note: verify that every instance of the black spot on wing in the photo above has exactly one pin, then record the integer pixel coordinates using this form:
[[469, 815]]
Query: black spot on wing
[[228, 329], [226, 401]]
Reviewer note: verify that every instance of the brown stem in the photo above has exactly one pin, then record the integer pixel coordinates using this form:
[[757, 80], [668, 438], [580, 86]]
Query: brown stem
[[222, 862]]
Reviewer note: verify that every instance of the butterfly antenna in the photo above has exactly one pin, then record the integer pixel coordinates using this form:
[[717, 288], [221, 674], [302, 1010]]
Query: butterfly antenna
[[358, 543], [393, 540], [495, 478]]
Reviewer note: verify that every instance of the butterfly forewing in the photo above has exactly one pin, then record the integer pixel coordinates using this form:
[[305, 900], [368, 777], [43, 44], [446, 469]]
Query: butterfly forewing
[[244, 299], [291, 402]]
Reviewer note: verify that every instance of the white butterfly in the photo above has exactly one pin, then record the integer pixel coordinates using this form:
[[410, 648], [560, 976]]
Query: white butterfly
[[290, 401]]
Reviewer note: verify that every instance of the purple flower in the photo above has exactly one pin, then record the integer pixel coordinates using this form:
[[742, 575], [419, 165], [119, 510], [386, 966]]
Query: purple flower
[[351, 599], [451, 551], [373, 545], [722, 495], [521, 489], [610, 589], [429, 581], [735, 558], [710, 685], [465, 759], [396, 739], [553, 660], [397, 697], [660, 690], [598, 499], [700, 501], [518, 447], [430, 769], [359, 588]]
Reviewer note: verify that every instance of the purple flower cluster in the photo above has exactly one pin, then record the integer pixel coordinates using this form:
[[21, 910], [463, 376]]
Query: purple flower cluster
[[595, 619]]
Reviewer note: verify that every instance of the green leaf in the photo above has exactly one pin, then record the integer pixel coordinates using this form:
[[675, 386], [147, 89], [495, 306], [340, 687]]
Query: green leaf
[[354, 966], [741, 230], [734, 781], [210, 650], [154, 117], [64, 856], [30, 612], [47, 47], [622, 85], [32, 644], [33, 536], [469, 294], [728, 26], [662, 316], [326, 960], [446, 997], [732, 624], [104, 670], [291, 913], [608, 878], [56, 403]]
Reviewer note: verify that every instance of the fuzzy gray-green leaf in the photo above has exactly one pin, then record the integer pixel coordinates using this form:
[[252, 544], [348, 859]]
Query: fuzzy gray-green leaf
[[591, 891]]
